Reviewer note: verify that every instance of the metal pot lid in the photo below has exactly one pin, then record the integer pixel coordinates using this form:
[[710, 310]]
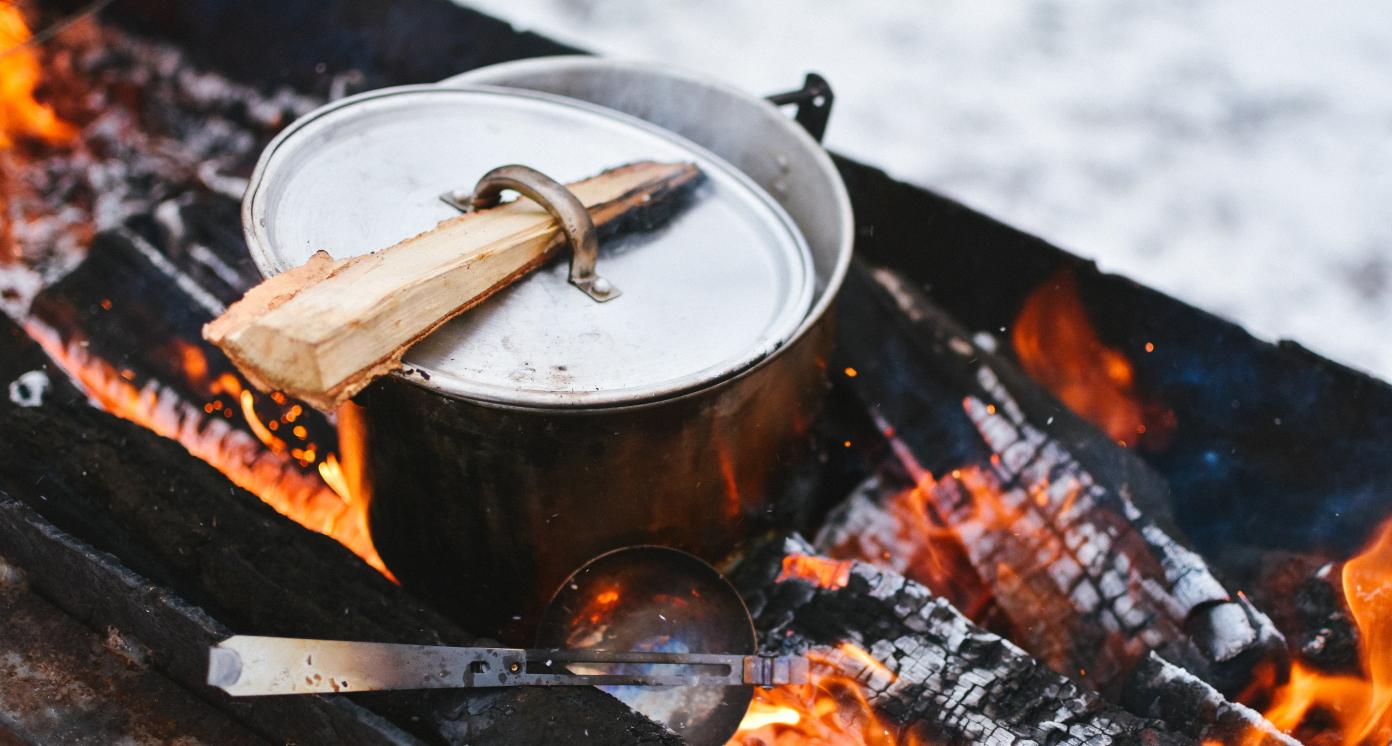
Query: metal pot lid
[[717, 288]]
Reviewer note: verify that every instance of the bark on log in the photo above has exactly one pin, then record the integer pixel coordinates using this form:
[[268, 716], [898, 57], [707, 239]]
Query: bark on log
[[187, 535], [324, 331], [943, 678], [1052, 514]]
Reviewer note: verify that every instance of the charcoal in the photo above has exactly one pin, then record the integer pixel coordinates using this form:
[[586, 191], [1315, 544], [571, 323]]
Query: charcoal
[[942, 678], [1304, 594], [1164, 691], [1056, 520]]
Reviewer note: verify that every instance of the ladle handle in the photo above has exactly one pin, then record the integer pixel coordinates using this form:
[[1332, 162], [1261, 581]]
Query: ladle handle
[[248, 666], [563, 205]]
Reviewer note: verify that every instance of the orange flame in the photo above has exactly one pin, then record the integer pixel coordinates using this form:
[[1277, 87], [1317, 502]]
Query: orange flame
[[21, 115], [325, 503], [1058, 347], [1362, 707], [819, 571], [835, 707]]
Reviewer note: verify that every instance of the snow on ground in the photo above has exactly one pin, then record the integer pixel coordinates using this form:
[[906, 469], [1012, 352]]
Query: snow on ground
[[1237, 154]]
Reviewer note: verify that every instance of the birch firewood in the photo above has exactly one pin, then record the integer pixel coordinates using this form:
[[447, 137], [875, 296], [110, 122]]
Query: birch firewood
[[323, 331]]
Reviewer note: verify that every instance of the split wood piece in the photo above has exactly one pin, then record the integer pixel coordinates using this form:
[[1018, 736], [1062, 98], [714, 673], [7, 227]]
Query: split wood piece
[[144, 538], [934, 675], [323, 331], [1090, 583]]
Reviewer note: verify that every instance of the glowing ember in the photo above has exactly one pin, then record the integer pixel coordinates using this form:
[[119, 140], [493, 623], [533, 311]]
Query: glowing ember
[[1058, 347], [21, 115], [834, 708], [1361, 707], [819, 571]]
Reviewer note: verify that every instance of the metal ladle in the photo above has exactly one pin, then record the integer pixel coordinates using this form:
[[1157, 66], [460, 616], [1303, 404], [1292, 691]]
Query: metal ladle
[[640, 622]]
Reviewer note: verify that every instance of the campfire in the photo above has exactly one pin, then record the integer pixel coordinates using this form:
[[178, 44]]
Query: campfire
[[1000, 538]]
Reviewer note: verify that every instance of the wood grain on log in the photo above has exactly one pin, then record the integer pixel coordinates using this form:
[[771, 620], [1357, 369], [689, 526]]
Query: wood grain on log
[[323, 331], [1053, 519]]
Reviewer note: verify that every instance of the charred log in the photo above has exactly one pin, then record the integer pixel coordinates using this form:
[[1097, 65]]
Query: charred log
[[190, 546], [934, 674], [28, 378], [163, 630], [128, 305], [1164, 691], [1305, 596], [63, 683], [1054, 517]]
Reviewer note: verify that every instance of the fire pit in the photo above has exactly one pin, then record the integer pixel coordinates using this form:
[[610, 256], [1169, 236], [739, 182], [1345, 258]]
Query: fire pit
[[1042, 504]]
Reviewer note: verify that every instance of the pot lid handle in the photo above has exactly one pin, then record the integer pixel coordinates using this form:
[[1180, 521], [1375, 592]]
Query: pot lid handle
[[563, 205]]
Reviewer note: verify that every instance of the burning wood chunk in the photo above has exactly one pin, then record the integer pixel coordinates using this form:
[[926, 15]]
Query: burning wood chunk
[[922, 670], [1047, 511], [1164, 691], [166, 531], [124, 324], [323, 331], [1305, 598]]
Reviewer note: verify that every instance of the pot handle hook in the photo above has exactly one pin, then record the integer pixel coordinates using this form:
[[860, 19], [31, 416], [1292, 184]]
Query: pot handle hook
[[563, 205]]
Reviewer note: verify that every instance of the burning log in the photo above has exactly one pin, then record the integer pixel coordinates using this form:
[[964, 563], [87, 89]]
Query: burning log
[[186, 536], [1162, 690], [125, 325], [324, 331], [1058, 523], [925, 670], [1304, 596]]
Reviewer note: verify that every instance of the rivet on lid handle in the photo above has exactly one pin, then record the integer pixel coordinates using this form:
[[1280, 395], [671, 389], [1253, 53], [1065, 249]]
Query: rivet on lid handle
[[563, 205]]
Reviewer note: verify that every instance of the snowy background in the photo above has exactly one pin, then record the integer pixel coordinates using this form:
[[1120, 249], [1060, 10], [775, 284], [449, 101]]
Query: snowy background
[[1237, 155]]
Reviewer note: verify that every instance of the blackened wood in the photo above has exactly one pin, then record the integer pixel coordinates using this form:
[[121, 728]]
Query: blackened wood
[[189, 545], [97, 590], [1051, 513], [63, 683], [945, 679], [1164, 691], [1304, 595], [127, 323], [129, 306], [27, 376]]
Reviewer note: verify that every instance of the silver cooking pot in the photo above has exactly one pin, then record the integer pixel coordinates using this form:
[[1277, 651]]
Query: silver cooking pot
[[541, 428]]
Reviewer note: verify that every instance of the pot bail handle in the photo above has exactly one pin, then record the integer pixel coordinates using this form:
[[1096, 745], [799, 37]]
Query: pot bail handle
[[563, 205]]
